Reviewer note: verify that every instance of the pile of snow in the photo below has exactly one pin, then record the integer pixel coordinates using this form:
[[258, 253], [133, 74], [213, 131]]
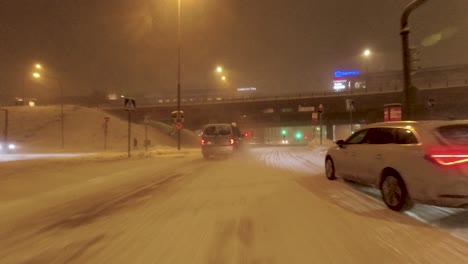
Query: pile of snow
[[188, 138], [38, 129]]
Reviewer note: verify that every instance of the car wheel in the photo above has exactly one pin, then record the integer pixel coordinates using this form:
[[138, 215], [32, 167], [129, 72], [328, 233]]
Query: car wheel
[[330, 169], [394, 192]]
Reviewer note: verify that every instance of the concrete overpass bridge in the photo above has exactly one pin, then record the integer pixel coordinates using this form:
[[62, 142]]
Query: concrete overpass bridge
[[288, 110]]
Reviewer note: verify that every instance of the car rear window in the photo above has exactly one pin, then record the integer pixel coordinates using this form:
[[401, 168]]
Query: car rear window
[[455, 134], [217, 130]]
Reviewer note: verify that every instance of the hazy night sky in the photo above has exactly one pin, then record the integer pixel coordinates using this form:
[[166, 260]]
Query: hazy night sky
[[129, 46]]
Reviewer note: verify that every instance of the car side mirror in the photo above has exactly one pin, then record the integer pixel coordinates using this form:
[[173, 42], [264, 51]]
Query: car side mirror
[[341, 143]]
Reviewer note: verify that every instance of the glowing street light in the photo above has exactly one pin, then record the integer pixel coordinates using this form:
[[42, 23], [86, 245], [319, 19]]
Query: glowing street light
[[38, 66], [37, 75], [223, 78], [367, 53], [219, 69]]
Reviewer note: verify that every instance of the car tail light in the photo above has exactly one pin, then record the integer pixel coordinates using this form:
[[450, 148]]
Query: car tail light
[[202, 142], [231, 141], [448, 156]]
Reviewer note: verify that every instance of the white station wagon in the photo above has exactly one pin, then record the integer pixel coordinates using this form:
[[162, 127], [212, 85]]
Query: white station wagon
[[409, 161]]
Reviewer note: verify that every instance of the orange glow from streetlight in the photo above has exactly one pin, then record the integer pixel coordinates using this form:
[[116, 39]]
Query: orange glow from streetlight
[[367, 53], [219, 69], [223, 78], [36, 75], [38, 66]]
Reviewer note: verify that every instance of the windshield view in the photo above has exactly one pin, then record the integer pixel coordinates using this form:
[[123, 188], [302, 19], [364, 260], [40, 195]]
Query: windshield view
[[234, 131]]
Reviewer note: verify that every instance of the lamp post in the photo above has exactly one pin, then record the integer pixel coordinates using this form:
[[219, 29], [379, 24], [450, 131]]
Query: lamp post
[[178, 71], [62, 126], [408, 96], [5, 131], [367, 54]]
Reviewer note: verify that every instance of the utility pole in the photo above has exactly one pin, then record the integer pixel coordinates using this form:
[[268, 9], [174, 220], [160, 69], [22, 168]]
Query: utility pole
[[106, 126], [178, 71], [408, 92], [320, 112], [129, 106], [5, 131], [146, 133], [61, 114], [129, 133]]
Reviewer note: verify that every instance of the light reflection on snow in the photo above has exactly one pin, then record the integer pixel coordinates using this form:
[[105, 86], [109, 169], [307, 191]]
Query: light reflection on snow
[[17, 157]]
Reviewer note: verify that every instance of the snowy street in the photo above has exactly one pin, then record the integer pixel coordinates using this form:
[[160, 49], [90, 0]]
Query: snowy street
[[270, 205]]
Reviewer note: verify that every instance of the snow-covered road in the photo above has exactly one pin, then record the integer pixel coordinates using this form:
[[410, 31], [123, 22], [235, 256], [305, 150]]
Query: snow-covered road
[[311, 160], [273, 208]]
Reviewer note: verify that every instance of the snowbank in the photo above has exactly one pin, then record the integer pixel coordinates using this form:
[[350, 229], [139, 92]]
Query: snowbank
[[38, 129]]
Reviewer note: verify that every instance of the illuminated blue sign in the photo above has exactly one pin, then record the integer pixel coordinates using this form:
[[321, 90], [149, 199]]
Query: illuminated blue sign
[[339, 74]]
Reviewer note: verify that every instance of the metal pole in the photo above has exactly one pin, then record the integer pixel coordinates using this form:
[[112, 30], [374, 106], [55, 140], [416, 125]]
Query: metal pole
[[105, 135], [146, 137], [6, 126], [367, 74], [351, 120], [24, 89], [321, 132], [129, 131], [178, 72], [407, 88], [61, 114], [5, 131]]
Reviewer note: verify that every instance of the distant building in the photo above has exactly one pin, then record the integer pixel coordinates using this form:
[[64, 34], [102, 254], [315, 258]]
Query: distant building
[[436, 77]]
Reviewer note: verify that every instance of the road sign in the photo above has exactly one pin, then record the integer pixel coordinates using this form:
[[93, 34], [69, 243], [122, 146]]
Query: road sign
[[306, 108], [314, 117], [350, 105], [130, 104], [430, 102], [178, 125], [178, 116]]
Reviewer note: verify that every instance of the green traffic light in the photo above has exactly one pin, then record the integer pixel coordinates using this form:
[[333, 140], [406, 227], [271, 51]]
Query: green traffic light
[[298, 135], [283, 132]]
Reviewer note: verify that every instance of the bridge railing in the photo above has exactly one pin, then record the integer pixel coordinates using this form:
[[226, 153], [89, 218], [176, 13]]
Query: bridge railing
[[373, 89]]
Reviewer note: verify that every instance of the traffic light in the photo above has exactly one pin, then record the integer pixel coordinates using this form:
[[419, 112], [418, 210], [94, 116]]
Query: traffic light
[[298, 135], [283, 132]]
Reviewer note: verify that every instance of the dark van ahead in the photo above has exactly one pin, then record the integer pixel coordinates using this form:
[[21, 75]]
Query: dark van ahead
[[220, 140]]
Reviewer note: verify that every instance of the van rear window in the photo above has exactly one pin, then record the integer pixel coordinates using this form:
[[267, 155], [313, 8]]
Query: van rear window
[[217, 130], [455, 134]]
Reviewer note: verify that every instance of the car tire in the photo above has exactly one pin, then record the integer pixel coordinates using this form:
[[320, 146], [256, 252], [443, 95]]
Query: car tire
[[394, 192], [330, 169]]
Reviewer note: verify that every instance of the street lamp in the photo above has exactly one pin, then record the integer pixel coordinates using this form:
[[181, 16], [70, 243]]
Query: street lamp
[[223, 78], [178, 71], [38, 76], [5, 131], [38, 66], [408, 89], [367, 54], [219, 69]]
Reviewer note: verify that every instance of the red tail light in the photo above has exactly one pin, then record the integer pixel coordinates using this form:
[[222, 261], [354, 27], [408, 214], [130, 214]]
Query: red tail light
[[231, 141], [448, 156], [202, 142]]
